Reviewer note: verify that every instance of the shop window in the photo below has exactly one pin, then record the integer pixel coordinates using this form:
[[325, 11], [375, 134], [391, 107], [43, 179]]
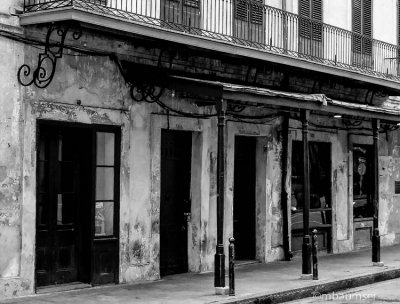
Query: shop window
[[320, 176], [362, 181]]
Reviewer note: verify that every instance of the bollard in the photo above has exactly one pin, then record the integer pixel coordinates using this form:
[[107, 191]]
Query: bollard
[[315, 254], [231, 266]]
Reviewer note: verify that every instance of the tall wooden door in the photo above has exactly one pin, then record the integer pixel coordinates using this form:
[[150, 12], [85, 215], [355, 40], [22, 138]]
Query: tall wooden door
[[244, 200], [176, 151], [77, 204], [62, 240]]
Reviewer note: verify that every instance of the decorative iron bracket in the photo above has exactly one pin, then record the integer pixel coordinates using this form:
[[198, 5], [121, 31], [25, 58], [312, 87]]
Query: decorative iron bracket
[[145, 89], [43, 74]]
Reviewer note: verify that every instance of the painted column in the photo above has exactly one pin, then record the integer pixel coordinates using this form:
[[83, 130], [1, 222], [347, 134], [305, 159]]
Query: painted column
[[306, 248], [376, 244], [219, 274]]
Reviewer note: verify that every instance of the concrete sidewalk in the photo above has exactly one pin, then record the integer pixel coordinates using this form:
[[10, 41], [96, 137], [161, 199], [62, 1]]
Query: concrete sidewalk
[[262, 283]]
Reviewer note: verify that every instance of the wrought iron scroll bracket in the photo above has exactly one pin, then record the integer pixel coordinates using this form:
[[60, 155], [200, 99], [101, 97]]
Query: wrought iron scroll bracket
[[145, 89], [42, 75]]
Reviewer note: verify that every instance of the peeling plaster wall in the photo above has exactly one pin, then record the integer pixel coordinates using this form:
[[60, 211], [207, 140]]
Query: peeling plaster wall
[[11, 147]]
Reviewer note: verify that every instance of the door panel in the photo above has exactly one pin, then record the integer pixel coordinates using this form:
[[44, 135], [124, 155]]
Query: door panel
[[175, 200]]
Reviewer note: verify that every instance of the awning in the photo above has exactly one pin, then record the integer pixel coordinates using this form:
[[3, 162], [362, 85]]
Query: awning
[[388, 110]]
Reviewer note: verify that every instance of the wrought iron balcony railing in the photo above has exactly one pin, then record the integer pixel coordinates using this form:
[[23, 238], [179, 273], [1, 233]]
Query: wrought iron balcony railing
[[252, 24]]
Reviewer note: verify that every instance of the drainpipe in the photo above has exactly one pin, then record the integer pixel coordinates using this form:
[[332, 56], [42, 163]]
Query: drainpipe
[[284, 193], [219, 273], [306, 248], [376, 244]]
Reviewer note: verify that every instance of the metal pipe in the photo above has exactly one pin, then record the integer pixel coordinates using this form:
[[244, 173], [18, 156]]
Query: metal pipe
[[315, 254], [219, 274], [231, 266]]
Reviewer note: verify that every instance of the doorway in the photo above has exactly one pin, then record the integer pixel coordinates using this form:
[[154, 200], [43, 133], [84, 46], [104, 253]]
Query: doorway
[[175, 204], [244, 198], [362, 196], [77, 196]]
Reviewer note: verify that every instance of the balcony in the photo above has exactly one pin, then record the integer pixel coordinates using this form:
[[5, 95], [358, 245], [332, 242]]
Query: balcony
[[247, 24]]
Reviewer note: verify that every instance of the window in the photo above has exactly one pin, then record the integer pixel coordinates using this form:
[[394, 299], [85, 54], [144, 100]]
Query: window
[[362, 26], [310, 21]]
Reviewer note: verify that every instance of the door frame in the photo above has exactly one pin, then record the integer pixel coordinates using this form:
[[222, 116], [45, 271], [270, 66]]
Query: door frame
[[199, 258], [117, 163]]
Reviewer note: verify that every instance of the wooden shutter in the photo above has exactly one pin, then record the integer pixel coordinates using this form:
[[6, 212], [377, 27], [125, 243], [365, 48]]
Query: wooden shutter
[[362, 25], [367, 26], [304, 15], [316, 14], [310, 10], [256, 12], [242, 10]]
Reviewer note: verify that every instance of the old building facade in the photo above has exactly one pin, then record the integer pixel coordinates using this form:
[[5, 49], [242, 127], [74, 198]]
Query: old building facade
[[110, 133]]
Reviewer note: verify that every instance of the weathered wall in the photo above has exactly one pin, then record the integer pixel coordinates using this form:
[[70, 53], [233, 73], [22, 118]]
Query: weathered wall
[[11, 147]]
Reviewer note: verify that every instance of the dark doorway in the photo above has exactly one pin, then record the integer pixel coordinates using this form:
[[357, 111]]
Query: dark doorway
[[67, 186], [244, 199], [320, 194], [362, 195], [176, 153]]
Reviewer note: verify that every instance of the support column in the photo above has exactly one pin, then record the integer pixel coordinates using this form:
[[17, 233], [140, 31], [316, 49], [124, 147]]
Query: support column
[[284, 194], [376, 243], [306, 248], [219, 273]]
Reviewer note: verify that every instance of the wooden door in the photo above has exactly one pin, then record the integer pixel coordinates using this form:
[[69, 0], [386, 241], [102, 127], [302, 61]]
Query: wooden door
[[77, 204], [62, 252], [244, 200], [176, 151]]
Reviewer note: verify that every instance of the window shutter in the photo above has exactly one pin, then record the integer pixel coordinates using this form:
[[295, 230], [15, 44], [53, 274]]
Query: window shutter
[[242, 10], [367, 26], [357, 25], [304, 22], [257, 12], [316, 14], [310, 9]]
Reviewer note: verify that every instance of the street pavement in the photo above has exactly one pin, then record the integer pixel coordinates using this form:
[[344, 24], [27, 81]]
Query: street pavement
[[256, 283], [378, 293]]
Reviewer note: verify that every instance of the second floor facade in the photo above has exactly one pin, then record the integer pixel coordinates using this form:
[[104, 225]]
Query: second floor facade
[[335, 36]]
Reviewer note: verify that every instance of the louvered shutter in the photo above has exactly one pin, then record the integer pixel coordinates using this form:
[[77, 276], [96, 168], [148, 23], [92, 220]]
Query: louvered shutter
[[362, 25], [256, 12], [304, 22], [316, 14], [242, 10], [367, 26]]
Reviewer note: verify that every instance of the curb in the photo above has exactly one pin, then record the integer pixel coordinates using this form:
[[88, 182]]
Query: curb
[[323, 288]]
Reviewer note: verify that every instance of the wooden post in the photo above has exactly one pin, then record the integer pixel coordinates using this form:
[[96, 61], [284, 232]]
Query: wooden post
[[306, 248], [219, 273]]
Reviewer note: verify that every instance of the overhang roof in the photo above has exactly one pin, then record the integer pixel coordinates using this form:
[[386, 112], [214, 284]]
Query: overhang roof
[[262, 96]]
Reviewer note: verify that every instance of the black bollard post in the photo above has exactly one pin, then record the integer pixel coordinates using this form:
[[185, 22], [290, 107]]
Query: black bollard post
[[315, 254], [231, 266]]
